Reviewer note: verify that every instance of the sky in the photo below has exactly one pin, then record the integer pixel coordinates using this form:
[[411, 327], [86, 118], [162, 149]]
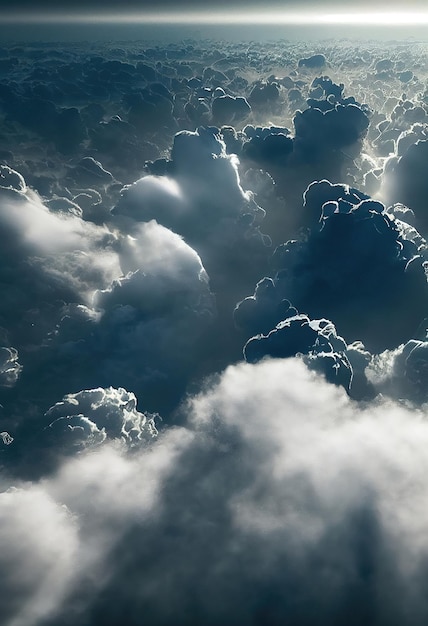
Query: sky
[[28, 10], [112, 20]]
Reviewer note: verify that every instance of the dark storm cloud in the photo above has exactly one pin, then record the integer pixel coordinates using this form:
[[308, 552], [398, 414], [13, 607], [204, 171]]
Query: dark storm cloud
[[351, 237], [61, 125], [153, 308], [328, 136], [406, 181], [316, 61], [317, 339], [228, 109]]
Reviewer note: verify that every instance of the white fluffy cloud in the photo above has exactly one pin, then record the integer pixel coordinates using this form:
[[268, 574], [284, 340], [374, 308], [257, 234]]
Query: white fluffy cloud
[[38, 549], [291, 500], [57, 536], [89, 417], [68, 249]]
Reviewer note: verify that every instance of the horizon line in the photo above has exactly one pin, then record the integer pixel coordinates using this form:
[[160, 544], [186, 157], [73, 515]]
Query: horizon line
[[224, 17]]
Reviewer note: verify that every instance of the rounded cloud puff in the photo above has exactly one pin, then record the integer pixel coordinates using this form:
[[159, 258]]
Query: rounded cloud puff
[[148, 325], [48, 257], [90, 417], [316, 339], [356, 263], [202, 199]]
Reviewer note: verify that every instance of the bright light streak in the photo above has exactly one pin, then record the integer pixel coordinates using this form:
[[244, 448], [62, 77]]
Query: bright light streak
[[366, 18], [377, 18]]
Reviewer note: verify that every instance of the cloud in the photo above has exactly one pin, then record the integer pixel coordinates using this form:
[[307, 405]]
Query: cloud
[[316, 61], [228, 110], [328, 136], [406, 181], [48, 258], [264, 94], [149, 472], [10, 368], [152, 197], [144, 334], [39, 540], [90, 416], [401, 373], [151, 290], [293, 501], [317, 340], [50, 549], [356, 268], [202, 199]]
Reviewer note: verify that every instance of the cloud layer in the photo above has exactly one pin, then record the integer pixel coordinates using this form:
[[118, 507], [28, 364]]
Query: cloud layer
[[213, 335], [280, 499]]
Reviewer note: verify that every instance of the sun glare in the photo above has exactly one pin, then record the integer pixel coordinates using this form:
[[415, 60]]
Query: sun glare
[[268, 17]]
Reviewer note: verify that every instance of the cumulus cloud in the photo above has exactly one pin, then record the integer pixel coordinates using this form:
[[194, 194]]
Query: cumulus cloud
[[150, 292], [328, 136], [54, 540], [406, 181], [141, 187], [202, 199], [48, 257], [152, 288], [144, 334], [228, 109], [151, 197], [354, 262], [39, 231], [292, 501], [199, 165], [316, 61], [401, 373], [316, 339], [91, 416]]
